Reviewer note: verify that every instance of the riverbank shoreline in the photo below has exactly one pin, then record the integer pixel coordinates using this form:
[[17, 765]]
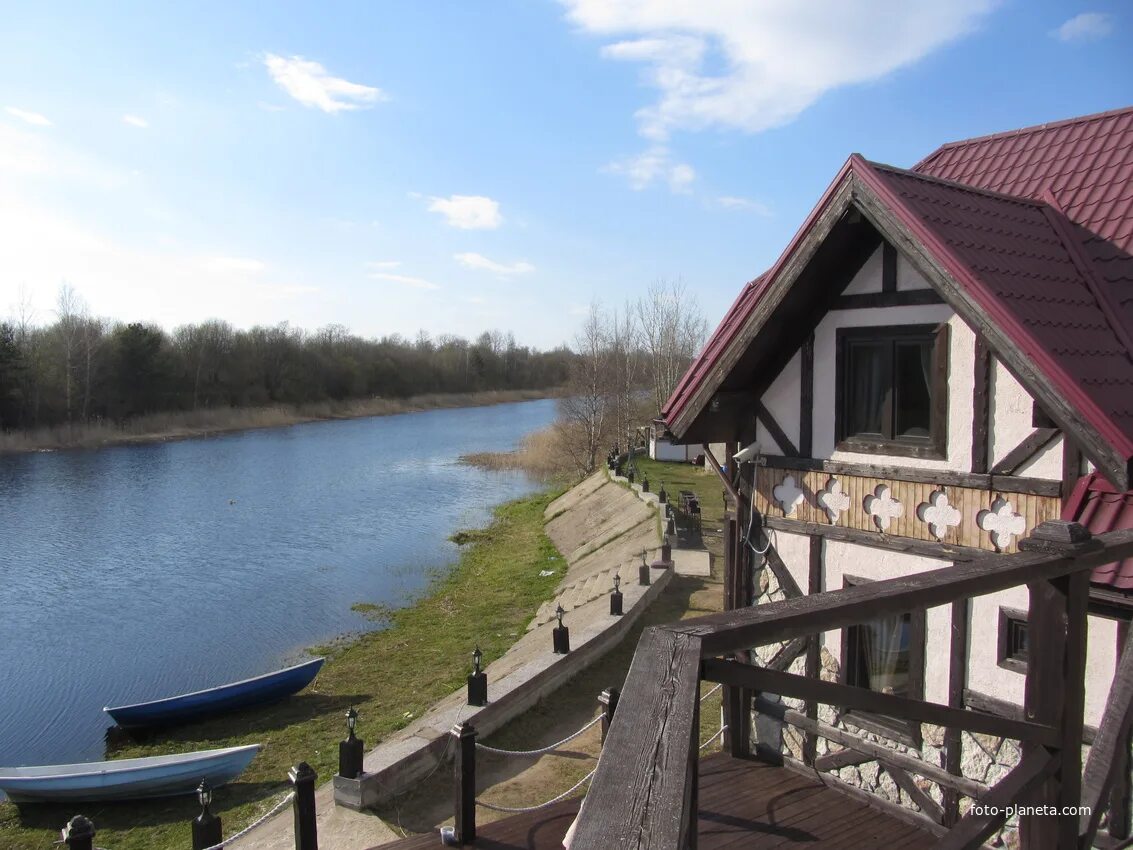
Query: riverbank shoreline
[[193, 424], [390, 676]]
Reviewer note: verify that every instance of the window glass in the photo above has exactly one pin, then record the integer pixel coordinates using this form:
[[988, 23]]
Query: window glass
[[1017, 639], [868, 386], [880, 652], [912, 380]]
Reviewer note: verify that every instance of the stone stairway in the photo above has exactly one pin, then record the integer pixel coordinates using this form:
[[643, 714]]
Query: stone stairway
[[575, 595]]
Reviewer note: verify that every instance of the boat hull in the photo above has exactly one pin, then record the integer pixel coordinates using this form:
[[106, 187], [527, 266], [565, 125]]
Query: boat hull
[[200, 704], [125, 779]]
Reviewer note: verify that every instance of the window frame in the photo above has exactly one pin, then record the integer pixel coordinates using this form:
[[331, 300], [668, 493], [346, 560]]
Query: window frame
[[907, 732], [935, 446], [1003, 655]]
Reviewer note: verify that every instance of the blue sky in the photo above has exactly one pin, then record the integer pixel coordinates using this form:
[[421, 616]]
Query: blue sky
[[461, 166]]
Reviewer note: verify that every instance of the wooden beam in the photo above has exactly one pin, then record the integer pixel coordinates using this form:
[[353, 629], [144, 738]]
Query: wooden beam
[[889, 270], [806, 398], [1071, 467], [1109, 753], [981, 406], [1016, 787], [840, 759], [863, 699], [786, 581], [1028, 447], [720, 473], [777, 621], [925, 803], [968, 787], [777, 434], [642, 791], [871, 300], [927, 548], [979, 701], [951, 478], [1119, 798], [957, 679], [814, 647], [785, 656]]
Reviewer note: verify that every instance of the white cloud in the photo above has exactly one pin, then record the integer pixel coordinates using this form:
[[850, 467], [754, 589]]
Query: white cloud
[[731, 202], [233, 264], [751, 66], [405, 280], [30, 117], [381, 265], [310, 84], [468, 212], [1088, 26], [135, 121], [479, 261], [653, 165]]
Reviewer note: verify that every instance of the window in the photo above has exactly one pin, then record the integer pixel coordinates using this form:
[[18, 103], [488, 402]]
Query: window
[[1013, 640], [892, 390], [886, 655]]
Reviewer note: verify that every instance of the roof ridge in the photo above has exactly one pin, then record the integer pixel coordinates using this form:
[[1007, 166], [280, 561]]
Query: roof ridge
[[1110, 309], [1022, 131], [956, 184]]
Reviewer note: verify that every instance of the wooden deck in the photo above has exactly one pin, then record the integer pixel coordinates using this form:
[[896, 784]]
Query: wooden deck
[[743, 804]]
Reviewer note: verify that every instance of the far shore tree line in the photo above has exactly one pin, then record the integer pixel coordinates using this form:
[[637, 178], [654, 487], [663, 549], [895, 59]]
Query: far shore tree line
[[80, 369], [627, 364]]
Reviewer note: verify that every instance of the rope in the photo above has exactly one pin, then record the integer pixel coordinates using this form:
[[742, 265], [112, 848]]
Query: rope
[[541, 750], [279, 807], [710, 740], [523, 809], [711, 692]]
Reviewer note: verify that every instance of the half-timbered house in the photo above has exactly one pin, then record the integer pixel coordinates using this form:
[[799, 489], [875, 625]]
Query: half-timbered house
[[940, 361]]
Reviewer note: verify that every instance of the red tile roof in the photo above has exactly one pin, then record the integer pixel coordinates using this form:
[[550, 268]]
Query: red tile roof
[[1036, 226], [1086, 163], [1099, 507]]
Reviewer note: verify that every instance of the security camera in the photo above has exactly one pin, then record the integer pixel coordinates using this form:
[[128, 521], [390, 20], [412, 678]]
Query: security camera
[[748, 453]]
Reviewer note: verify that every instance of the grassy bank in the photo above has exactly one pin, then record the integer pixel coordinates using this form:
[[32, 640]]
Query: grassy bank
[[178, 425], [391, 676], [540, 454]]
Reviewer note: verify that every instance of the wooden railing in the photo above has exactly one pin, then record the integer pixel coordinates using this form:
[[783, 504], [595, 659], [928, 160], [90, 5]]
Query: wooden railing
[[644, 793]]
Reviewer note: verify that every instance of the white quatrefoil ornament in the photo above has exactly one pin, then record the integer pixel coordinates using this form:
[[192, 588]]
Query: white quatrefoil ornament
[[939, 515], [788, 495], [1001, 522], [882, 506], [832, 500]]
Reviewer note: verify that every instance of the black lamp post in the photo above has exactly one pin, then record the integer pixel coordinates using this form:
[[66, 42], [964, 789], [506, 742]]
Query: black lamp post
[[629, 475], [667, 550], [78, 834], [643, 571], [350, 750], [662, 496], [561, 634], [206, 826], [477, 681], [616, 597], [645, 483]]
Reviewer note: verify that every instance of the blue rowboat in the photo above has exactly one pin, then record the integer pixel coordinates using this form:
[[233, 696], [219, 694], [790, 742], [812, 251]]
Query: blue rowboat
[[125, 779], [199, 704]]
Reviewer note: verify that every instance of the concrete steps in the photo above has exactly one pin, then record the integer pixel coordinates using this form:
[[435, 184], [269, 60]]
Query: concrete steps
[[575, 595]]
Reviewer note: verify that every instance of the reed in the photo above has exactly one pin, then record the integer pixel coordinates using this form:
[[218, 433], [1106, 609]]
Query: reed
[[184, 424], [541, 455]]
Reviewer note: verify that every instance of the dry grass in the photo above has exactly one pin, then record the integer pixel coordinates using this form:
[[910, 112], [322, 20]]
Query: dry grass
[[198, 423], [540, 454]]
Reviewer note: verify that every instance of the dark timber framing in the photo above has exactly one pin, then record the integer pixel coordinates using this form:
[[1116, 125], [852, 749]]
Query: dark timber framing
[[927, 548], [814, 645], [806, 397], [777, 434], [888, 268], [904, 298], [957, 680], [1027, 449], [981, 406], [949, 478]]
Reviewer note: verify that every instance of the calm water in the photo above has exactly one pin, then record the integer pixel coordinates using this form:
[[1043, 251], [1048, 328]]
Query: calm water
[[144, 571]]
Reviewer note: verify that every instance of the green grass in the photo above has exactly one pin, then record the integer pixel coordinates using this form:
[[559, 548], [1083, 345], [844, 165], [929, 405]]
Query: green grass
[[390, 676]]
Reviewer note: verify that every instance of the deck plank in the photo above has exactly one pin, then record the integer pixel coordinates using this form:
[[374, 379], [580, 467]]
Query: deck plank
[[745, 804]]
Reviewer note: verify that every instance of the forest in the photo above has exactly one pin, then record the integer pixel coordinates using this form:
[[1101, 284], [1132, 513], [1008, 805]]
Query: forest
[[84, 370]]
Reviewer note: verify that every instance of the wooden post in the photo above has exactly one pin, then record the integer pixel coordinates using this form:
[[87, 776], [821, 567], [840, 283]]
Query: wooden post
[[730, 696], [303, 778], [737, 717], [608, 699], [1119, 794], [957, 681], [813, 649], [692, 811], [78, 834], [464, 769], [1055, 690]]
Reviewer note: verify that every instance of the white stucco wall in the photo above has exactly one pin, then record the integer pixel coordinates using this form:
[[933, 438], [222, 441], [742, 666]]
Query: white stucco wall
[[908, 277], [782, 400], [868, 278], [1011, 413]]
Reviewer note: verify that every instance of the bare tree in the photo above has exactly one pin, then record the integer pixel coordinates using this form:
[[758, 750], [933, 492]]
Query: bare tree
[[672, 331], [71, 312], [584, 409], [624, 341]]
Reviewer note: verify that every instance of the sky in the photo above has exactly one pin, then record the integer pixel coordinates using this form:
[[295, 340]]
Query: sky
[[455, 166]]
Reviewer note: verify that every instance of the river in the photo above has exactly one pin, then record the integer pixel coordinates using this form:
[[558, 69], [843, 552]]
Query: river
[[143, 571]]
